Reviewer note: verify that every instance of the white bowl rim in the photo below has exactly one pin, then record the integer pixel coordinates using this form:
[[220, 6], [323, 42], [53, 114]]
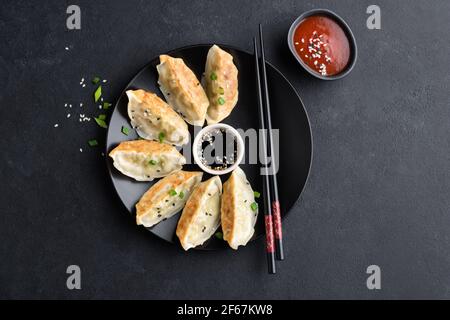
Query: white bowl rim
[[240, 148]]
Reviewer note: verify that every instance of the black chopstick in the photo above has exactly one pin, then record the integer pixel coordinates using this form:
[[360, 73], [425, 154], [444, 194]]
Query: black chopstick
[[270, 245], [272, 175]]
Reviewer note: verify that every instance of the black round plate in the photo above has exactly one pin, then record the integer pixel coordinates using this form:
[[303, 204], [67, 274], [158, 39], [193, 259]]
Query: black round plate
[[288, 115]]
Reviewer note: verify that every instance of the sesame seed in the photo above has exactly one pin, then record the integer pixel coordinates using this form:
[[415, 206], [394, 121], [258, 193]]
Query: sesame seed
[[303, 40], [84, 85], [67, 48], [296, 43], [104, 81], [56, 125], [81, 150], [68, 115], [81, 104], [65, 104]]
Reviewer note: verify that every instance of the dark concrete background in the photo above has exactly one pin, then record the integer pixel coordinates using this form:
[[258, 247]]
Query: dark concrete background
[[379, 186]]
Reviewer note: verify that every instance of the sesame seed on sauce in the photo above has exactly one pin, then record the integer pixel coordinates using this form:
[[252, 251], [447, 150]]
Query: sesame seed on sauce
[[327, 50]]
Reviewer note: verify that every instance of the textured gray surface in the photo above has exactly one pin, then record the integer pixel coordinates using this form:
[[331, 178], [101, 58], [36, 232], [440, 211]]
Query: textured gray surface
[[378, 191]]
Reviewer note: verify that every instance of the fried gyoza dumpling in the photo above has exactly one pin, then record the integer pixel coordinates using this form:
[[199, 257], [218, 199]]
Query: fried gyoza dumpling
[[239, 210], [153, 118], [166, 197], [201, 215], [182, 89], [221, 83], [145, 160]]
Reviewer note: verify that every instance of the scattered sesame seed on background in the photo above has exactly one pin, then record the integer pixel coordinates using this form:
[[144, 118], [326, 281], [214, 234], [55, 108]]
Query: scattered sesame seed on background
[[82, 117]]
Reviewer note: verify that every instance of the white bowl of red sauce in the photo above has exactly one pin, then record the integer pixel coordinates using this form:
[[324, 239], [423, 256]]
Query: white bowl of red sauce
[[323, 44]]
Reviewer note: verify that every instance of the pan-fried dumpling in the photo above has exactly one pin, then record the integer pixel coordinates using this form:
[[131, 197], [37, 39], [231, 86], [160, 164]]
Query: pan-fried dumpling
[[221, 84], [239, 210], [182, 89], [201, 215], [166, 197], [153, 118], [145, 160]]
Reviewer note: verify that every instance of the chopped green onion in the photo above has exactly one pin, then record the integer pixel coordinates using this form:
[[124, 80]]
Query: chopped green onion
[[221, 91], [213, 76], [93, 143], [106, 105], [254, 206], [181, 194], [96, 80], [161, 137], [172, 192], [125, 130], [102, 116], [256, 194], [98, 93], [221, 100], [101, 122], [152, 162], [219, 235]]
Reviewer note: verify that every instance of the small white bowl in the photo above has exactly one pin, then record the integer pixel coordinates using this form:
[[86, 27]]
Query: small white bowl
[[239, 152]]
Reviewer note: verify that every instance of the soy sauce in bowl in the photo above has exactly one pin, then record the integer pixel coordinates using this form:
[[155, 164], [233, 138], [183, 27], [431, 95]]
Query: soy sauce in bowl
[[218, 149]]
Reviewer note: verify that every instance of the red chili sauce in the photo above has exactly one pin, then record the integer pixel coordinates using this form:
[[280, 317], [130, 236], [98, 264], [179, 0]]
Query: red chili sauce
[[322, 44]]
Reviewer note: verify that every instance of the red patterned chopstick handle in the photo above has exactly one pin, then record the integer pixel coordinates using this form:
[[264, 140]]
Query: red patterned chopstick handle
[[277, 219], [270, 243]]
